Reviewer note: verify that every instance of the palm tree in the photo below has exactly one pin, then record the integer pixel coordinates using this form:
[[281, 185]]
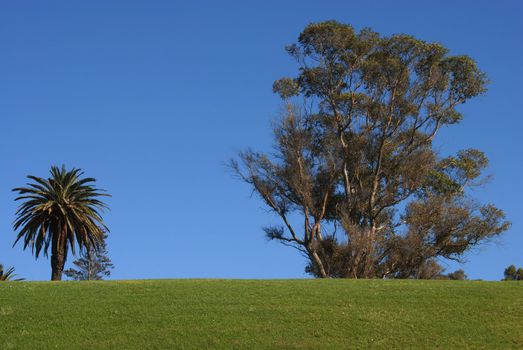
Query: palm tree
[[59, 212], [8, 275]]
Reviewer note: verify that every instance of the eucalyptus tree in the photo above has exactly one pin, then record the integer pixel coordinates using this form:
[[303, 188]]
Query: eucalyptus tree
[[354, 159], [60, 212]]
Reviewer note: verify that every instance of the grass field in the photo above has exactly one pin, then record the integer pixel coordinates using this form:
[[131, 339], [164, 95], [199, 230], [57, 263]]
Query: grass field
[[267, 314]]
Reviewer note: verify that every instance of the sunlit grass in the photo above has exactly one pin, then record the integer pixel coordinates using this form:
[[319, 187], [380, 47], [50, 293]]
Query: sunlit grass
[[277, 314]]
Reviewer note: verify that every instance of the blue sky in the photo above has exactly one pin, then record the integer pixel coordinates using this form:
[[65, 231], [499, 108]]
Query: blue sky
[[153, 97]]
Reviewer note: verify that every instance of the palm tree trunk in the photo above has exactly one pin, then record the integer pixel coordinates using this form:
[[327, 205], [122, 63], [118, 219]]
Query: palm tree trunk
[[56, 267], [58, 254]]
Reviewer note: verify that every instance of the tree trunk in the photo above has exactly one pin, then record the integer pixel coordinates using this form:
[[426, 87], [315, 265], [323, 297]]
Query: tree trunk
[[58, 254], [57, 267], [369, 257], [319, 264]]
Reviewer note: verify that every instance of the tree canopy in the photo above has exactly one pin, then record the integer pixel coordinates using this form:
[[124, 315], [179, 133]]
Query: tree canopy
[[60, 212], [354, 160]]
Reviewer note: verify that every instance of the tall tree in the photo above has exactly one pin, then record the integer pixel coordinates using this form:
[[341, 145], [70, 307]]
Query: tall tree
[[93, 264], [60, 212], [354, 158], [9, 274]]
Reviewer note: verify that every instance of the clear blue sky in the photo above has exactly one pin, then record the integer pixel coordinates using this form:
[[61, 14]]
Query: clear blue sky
[[153, 97]]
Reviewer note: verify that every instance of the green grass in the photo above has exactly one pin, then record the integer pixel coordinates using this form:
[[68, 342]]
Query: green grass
[[267, 314]]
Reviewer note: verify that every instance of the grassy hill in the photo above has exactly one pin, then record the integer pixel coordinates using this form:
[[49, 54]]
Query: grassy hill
[[277, 314]]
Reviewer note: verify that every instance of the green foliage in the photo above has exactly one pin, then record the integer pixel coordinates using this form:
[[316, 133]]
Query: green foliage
[[93, 264], [59, 212], [8, 275], [458, 275], [262, 314], [286, 88], [354, 156], [511, 274], [452, 175]]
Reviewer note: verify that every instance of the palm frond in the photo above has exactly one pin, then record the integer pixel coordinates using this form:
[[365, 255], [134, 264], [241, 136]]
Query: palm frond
[[8, 275], [65, 199]]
